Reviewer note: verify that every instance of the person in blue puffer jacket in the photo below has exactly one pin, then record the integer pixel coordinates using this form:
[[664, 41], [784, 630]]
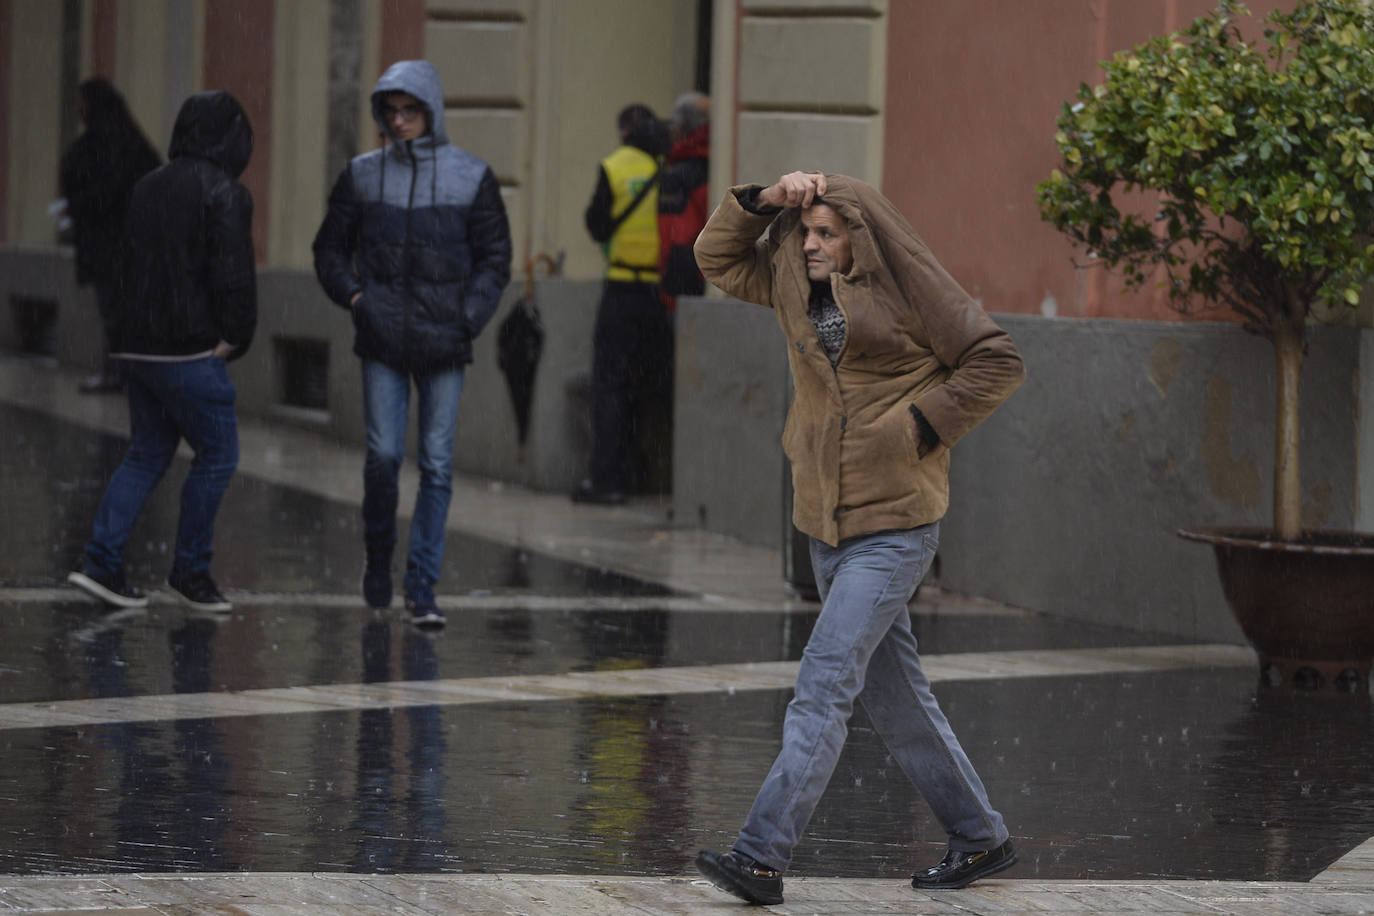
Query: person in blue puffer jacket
[[417, 247]]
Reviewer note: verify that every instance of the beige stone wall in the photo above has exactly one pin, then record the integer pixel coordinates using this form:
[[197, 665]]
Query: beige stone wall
[[158, 59], [300, 98], [141, 64], [724, 66], [533, 87], [34, 112], [372, 66], [184, 64], [811, 86]]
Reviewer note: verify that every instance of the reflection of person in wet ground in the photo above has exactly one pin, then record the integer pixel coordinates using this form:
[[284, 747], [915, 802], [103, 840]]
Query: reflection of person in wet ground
[[892, 363]]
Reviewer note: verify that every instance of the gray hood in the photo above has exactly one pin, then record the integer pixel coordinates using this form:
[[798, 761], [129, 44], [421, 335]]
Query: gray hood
[[420, 79]]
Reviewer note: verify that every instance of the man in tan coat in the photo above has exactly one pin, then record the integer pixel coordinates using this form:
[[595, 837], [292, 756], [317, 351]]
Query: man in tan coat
[[892, 363]]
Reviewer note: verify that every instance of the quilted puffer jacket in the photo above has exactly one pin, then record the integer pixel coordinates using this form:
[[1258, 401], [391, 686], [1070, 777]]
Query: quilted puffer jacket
[[418, 227]]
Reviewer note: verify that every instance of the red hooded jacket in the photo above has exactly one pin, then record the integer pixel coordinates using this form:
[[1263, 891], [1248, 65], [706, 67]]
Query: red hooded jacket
[[683, 207]]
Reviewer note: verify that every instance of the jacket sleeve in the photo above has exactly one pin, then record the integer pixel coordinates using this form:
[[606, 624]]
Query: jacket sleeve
[[489, 242], [335, 242], [598, 215], [733, 252], [985, 366], [233, 282]]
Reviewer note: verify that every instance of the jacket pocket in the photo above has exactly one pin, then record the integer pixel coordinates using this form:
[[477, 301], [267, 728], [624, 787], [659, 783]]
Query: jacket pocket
[[357, 308], [895, 436], [367, 316]]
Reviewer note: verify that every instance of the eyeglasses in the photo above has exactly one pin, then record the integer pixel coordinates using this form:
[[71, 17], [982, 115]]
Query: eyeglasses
[[407, 112]]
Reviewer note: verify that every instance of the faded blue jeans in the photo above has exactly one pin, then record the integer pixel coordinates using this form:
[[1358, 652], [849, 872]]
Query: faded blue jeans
[[862, 648], [169, 402], [386, 404]]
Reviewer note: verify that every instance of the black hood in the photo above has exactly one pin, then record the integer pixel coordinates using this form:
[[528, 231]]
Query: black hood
[[213, 125]]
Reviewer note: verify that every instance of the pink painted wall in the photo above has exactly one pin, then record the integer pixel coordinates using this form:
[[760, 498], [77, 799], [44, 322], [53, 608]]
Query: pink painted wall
[[973, 91], [403, 32], [103, 38], [238, 59]]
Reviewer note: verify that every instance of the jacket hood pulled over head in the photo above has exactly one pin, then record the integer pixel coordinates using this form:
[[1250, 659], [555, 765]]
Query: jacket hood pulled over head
[[213, 126], [863, 209], [420, 79]]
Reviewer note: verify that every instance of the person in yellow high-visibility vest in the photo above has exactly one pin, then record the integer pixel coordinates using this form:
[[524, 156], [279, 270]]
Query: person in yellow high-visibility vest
[[633, 337]]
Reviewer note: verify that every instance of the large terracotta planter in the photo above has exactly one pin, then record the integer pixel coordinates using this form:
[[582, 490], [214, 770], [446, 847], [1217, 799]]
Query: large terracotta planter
[[1306, 606]]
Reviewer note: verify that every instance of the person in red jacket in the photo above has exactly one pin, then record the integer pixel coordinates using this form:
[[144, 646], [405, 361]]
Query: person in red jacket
[[683, 202]]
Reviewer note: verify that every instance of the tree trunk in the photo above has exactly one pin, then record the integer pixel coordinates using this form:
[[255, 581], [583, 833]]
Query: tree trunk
[[1288, 347]]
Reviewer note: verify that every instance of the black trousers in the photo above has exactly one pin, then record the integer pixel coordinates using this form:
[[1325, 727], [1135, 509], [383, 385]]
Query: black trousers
[[632, 387]]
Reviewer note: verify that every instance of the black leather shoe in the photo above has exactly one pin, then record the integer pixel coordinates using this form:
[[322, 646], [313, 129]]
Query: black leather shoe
[[735, 873], [960, 869]]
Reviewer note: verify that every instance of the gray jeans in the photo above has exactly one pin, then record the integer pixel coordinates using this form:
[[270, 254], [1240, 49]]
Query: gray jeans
[[862, 647]]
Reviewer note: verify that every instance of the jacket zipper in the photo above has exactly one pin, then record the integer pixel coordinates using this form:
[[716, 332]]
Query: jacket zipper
[[405, 243]]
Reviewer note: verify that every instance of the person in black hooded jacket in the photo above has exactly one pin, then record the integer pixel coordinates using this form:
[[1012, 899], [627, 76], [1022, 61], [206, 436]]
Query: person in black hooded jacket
[[189, 305], [97, 176]]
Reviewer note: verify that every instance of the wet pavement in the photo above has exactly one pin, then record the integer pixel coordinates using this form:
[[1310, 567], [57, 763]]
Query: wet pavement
[[554, 728]]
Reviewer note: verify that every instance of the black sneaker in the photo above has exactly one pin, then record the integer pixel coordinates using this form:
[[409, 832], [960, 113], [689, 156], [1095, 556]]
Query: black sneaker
[[738, 874], [960, 869], [111, 589], [198, 590], [377, 582], [424, 610]]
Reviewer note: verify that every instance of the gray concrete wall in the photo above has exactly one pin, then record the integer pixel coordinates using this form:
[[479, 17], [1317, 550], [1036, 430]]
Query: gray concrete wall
[[48, 273], [730, 400], [1067, 500], [559, 440]]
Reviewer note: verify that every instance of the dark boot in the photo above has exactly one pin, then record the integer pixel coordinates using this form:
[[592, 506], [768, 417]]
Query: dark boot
[[377, 579]]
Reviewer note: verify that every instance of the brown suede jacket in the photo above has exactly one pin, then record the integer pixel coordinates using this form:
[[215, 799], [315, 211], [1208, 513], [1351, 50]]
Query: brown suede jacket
[[914, 339]]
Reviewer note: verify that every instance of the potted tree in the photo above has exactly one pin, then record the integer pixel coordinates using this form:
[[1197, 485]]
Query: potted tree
[[1240, 174]]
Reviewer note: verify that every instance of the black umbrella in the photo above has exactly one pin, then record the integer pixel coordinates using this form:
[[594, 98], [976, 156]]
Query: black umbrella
[[519, 342]]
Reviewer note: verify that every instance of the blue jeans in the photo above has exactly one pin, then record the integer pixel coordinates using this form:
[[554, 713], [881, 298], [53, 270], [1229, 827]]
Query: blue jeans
[[386, 402], [169, 402], [862, 648]]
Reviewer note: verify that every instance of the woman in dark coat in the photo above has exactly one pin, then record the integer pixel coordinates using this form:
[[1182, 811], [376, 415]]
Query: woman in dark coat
[[98, 174]]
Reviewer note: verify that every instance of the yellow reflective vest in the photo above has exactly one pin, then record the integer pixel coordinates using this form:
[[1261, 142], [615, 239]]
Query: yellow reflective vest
[[632, 252]]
